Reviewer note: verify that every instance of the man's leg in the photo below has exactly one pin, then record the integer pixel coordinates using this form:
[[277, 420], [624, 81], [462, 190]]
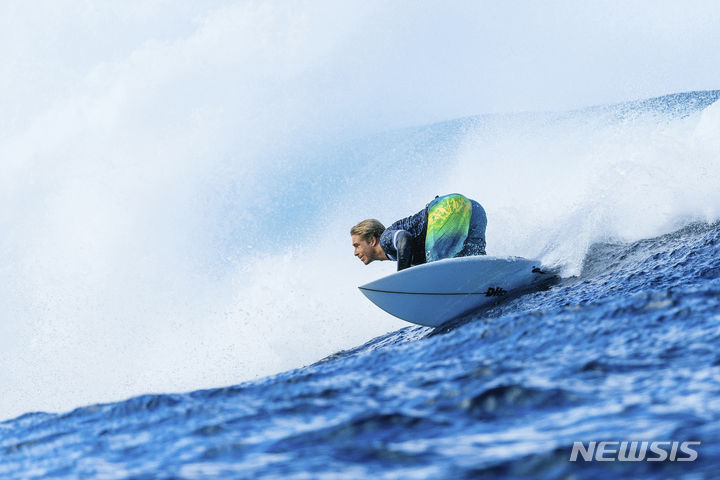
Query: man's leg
[[475, 240]]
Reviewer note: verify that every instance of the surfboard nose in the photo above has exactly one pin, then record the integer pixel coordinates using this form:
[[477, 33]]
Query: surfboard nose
[[436, 292]]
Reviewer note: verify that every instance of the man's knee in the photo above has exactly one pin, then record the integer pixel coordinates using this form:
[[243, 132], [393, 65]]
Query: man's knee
[[471, 249]]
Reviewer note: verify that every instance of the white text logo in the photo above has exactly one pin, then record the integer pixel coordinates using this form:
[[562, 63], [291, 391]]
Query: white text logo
[[634, 451]]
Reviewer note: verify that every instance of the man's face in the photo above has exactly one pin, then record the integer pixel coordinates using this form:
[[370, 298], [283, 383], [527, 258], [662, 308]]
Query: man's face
[[364, 250]]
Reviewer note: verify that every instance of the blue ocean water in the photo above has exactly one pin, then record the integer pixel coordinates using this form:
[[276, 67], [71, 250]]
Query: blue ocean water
[[624, 351]]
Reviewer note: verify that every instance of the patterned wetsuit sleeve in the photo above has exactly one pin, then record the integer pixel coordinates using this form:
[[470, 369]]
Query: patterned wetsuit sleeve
[[414, 224], [386, 243]]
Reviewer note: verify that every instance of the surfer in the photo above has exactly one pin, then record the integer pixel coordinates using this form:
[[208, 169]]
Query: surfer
[[449, 226]]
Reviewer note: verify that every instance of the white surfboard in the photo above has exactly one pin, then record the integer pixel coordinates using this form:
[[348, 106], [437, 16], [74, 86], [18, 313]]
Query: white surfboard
[[434, 293]]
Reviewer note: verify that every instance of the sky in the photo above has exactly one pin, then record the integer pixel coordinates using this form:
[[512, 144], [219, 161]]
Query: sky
[[379, 64]]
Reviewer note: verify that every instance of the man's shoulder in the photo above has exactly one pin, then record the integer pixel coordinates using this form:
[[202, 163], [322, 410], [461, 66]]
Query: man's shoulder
[[388, 234], [386, 242]]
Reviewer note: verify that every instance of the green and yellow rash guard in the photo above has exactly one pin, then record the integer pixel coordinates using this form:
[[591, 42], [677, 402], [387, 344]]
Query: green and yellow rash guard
[[449, 226]]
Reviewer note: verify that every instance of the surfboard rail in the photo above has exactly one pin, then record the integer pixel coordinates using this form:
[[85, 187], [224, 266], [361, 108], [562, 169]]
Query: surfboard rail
[[437, 292]]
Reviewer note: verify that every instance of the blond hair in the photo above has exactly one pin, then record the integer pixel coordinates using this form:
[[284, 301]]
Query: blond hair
[[367, 229]]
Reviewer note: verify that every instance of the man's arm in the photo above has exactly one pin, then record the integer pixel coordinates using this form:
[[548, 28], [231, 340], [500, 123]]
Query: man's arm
[[403, 243]]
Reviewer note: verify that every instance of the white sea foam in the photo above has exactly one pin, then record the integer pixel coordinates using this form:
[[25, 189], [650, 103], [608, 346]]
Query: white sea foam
[[553, 189]]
